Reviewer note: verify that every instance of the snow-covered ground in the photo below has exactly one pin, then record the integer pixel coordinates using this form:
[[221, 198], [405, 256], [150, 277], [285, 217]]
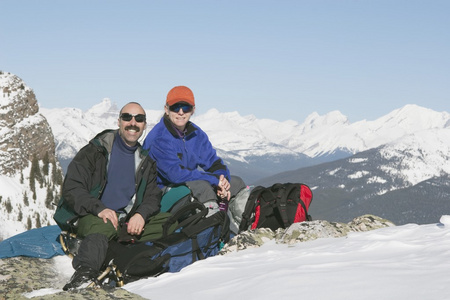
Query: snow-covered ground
[[404, 262]]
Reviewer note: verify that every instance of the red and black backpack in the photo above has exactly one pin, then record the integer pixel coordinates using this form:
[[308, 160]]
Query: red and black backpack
[[277, 206]]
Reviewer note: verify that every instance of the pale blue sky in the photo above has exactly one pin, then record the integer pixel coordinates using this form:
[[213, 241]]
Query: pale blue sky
[[274, 59]]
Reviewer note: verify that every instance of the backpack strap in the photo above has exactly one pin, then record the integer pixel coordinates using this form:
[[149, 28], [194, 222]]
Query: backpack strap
[[218, 219], [196, 209], [283, 191], [265, 204], [282, 196], [281, 200], [250, 208]]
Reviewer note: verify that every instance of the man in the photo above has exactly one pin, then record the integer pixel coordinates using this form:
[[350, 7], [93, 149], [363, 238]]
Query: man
[[184, 154], [111, 186]]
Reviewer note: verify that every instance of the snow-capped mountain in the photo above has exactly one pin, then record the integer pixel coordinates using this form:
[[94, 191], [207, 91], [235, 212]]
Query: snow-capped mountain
[[265, 146]]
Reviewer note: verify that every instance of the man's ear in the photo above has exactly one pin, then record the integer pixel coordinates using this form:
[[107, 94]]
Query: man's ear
[[193, 109], [166, 109]]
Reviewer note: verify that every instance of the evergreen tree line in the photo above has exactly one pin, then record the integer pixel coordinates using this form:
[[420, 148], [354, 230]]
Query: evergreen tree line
[[43, 175]]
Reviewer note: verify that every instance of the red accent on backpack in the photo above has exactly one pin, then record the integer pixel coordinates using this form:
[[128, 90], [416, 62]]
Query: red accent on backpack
[[306, 196], [257, 213]]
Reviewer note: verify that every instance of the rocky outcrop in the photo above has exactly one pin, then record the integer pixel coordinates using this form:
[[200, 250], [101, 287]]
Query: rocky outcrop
[[304, 231], [28, 164], [25, 133], [22, 275]]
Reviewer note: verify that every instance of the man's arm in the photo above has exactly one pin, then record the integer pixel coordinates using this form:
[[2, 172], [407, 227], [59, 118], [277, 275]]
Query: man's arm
[[151, 198], [83, 182]]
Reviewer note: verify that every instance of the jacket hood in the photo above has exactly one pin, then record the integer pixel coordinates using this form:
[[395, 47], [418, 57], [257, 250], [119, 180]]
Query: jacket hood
[[105, 139]]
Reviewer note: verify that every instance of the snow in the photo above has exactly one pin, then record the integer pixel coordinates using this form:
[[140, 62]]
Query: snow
[[359, 174], [423, 154], [404, 262], [376, 179], [332, 172], [357, 160], [12, 191], [246, 135], [9, 186]]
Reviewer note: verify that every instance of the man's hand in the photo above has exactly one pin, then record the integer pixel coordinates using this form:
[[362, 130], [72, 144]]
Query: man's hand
[[136, 224], [223, 188], [109, 214]]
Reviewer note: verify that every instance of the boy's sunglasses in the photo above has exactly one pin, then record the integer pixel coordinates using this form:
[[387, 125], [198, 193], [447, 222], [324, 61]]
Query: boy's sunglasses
[[177, 106], [138, 117]]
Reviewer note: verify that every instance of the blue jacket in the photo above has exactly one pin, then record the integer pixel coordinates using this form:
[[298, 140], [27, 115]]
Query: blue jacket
[[178, 159]]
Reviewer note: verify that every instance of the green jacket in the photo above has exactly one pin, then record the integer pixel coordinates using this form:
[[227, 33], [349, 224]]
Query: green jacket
[[86, 179]]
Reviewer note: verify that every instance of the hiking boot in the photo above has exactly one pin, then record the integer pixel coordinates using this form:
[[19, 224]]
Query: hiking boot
[[82, 277]]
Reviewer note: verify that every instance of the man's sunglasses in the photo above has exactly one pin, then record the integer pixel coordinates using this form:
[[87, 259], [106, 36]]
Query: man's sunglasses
[[138, 117], [177, 106]]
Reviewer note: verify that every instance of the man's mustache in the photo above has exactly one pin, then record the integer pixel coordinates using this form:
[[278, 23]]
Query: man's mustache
[[131, 127]]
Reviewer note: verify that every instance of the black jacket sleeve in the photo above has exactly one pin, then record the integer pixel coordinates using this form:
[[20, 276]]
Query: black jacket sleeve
[[148, 190], [85, 180]]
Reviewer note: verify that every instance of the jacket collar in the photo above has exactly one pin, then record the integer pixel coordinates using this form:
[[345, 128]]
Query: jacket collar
[[105, 140], [190, 128]]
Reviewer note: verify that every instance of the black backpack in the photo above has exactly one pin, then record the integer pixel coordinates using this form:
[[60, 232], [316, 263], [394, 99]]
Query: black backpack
[[277, 206], [197, 237]]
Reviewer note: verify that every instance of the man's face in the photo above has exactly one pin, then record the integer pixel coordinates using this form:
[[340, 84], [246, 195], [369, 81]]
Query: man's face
[[131, 130]]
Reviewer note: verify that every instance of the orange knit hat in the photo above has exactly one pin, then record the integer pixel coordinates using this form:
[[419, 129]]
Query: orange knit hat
[[180, 94]]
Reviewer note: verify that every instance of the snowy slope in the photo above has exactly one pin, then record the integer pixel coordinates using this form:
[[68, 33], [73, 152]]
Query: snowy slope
[[421, 155], [23, 212]]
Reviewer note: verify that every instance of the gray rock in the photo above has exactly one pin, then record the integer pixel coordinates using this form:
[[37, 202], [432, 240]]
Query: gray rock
[[304, 231], [20, 275]]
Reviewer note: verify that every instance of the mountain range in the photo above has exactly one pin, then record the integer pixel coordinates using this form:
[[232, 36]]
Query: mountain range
[[257, 148], [395, 166]]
